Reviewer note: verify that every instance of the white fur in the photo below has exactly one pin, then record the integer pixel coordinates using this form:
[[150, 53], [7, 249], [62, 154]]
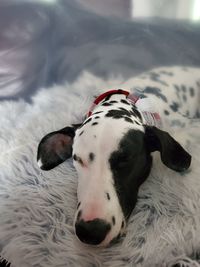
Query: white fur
[[37, 208], [96, 178], [39, 163]]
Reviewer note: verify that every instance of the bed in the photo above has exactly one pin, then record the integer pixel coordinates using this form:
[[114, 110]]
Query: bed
[[53, 59]]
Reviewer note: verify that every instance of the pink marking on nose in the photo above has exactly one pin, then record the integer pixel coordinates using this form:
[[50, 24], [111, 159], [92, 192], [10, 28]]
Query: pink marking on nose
[[93, 211], [90, 217]]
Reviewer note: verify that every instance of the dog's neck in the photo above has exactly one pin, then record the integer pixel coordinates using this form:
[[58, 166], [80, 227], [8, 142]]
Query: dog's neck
[[142, 104]]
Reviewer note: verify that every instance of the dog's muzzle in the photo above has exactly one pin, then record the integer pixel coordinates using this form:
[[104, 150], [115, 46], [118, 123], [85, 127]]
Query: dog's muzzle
[[92, 232]]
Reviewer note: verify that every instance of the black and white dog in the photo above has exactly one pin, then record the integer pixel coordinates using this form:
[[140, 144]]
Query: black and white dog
[[112, 148]]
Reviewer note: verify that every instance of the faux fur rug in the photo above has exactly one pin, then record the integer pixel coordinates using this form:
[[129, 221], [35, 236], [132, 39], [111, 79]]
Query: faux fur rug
[[37, 207]]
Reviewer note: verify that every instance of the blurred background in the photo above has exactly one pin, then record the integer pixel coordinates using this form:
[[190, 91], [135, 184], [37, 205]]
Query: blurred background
[[175, 9], [43, 42]]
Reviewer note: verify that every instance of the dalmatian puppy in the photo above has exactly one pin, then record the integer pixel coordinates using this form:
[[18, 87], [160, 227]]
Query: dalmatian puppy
[[112, 148]]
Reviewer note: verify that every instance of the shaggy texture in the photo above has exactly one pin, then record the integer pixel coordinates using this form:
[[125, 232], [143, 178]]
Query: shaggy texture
[[37, 207]]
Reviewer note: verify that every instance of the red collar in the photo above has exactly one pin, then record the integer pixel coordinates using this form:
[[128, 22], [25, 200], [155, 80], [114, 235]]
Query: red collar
[[101, 97]]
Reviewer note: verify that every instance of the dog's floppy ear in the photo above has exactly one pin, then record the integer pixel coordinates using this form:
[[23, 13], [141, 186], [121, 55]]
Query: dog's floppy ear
[[55, 148], [172, 153]]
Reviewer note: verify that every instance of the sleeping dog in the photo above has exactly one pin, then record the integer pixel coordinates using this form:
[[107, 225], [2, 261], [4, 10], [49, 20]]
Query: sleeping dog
[[112, 147]]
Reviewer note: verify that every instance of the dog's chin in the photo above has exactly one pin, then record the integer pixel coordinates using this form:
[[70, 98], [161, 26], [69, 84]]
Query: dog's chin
[[104, 243], [107, 242]]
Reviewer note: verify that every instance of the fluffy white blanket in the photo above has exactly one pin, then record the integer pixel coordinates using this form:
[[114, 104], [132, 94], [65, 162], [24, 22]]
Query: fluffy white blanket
[[37, 207]]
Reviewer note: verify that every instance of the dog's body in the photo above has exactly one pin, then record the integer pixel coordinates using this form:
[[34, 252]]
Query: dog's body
[[112, 147], [174, 91]]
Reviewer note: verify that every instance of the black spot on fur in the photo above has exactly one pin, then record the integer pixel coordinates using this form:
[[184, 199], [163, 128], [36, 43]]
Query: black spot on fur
[[97, 112], [137, 123], [95, 136], [79, 203], [166, 112], [155, 91], [156, 77], [126, 112], [78, 159], [154, 74], [191, 91], [183, 87], [122, 226], [113, 220], [94, 123], [124, 101], [143, 96], [174, 106], [168, 73], [197, 114], [137, 113], [184, 98], [123, 109], [81, 133], [122, 113], [115, 114], [91, 156], [177, 123], [106, 104], [79, 215], [187, 113], [108, 196], [113, 102], [128, 119], [88, 120], [130, 165], [107, 98], [176, 87], [97, 117], [119, 91]]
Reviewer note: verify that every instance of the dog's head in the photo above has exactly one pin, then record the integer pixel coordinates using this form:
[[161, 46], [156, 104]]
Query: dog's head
[[111, 152]]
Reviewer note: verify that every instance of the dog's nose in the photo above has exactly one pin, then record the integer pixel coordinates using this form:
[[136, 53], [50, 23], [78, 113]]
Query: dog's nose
[[92, 232]]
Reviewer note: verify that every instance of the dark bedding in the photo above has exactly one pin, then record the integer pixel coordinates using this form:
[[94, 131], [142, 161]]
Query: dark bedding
[[43, 44]]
